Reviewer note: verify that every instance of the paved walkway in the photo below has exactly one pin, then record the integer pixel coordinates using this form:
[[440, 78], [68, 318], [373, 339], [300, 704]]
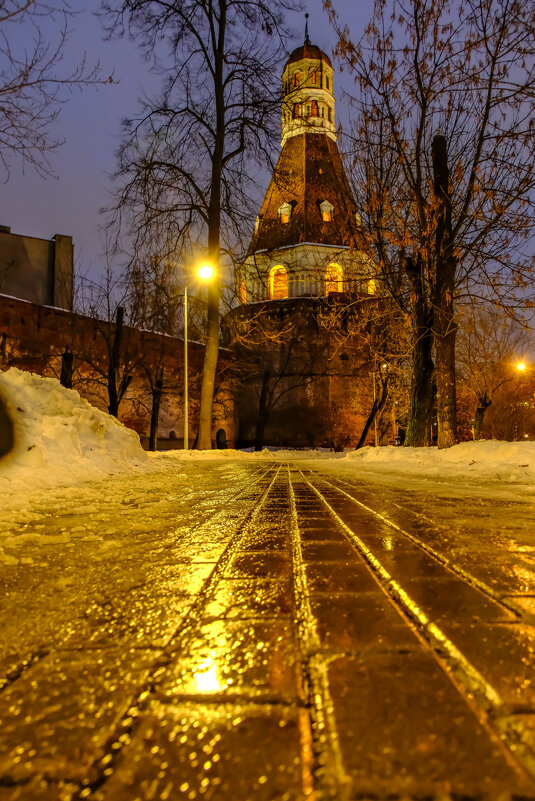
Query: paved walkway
[[247, 631]]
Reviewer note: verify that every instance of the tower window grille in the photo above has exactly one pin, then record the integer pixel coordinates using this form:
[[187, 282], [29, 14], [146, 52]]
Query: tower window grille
[[278, 282], [334, 279]]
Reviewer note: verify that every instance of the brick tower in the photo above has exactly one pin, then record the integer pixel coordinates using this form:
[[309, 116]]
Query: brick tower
[[307, 240], [306, 286]]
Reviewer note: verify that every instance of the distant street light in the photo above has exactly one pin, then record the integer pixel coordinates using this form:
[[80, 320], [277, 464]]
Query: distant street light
[[205, 272]]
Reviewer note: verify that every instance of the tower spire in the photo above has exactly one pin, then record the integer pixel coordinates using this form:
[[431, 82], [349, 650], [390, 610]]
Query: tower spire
[[307, 40]]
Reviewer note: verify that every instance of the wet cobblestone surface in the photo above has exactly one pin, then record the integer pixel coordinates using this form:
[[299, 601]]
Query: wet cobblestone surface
[[247, 631]]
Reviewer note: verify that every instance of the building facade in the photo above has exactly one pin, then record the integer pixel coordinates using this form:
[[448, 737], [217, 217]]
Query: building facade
[[38, 270]]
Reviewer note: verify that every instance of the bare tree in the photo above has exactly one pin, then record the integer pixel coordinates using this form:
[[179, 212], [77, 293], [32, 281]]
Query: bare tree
[[490, 347], [33, 83], [187, 160], [445, 153], [108, 302]]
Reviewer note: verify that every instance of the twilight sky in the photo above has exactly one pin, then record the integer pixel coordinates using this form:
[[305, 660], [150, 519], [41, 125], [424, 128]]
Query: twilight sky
[[90, 125]]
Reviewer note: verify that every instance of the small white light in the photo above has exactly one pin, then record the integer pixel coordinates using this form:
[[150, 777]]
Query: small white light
[[205, 272]]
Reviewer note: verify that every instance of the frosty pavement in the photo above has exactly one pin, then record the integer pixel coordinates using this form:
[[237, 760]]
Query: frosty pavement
[[248, 630]]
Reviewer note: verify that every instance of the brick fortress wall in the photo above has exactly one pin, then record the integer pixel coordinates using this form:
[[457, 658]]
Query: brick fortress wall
[[33, 338]]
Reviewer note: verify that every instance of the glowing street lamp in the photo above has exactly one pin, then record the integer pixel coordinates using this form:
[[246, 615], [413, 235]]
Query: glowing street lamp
[[521, 366], [205, 272]]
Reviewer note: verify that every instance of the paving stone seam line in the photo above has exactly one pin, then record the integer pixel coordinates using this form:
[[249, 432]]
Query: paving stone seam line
[[335, 784], [453, 568], [32, 659], [127, 725], [471, 684]]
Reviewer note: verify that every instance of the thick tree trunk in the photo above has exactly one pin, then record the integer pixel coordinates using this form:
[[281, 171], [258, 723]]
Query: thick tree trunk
[[155, 411], [378, 405], [445, 327], [483, 404], [211, 353], [114, 361], [263, 412], [422, 391], [65, 378]]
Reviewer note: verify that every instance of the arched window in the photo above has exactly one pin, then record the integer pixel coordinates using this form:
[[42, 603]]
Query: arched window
[[334, 279], [326, 83], [278, 282], [313, 76], [296, 111], [329, 113], [372, 286], [326, 211], [285, 212], [297, 79], [314, 108], [243, 291]]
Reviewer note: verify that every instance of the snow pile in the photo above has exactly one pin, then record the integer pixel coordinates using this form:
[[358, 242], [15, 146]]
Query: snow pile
[[60, 438], [492, 459]]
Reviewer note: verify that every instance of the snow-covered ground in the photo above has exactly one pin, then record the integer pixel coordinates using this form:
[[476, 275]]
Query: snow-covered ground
[[62, 440]]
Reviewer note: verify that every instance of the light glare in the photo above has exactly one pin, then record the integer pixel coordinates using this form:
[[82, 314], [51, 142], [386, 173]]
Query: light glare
[[205, 272]]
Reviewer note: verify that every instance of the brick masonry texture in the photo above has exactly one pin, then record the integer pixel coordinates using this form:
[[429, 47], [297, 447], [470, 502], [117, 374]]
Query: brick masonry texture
[[33, 338]]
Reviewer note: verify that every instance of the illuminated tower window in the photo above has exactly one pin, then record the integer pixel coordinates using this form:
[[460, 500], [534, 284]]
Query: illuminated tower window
[[296, 111], [243, 291], [313, 77], [326, 211], [285, 212], [297, 79], [372, 287], [278, 283], [334, 279], [314, 108]]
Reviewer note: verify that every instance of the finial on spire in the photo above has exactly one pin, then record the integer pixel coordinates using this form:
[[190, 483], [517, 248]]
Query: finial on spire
[[307, 40]]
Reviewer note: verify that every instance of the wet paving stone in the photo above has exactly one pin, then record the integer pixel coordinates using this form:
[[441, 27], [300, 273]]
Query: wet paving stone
[[321, 535], [264, 542], [57, 718], [265, 564], [329, 551], [503, 654], [259, 650], [238, 658], [212, 752], [236, 598], [450, 598], [354, 621], [398, 743], [335, 577]]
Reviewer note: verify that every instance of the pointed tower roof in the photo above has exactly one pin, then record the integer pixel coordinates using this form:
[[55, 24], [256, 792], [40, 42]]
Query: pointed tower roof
[[309, 199], [309, 173]]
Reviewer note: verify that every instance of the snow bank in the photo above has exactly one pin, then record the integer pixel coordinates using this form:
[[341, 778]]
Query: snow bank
[[60, 438], [492, 459], [486, 459]]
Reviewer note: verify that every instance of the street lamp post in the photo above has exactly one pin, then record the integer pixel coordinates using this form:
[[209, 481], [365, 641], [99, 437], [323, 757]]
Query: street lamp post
[[205, 272]]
